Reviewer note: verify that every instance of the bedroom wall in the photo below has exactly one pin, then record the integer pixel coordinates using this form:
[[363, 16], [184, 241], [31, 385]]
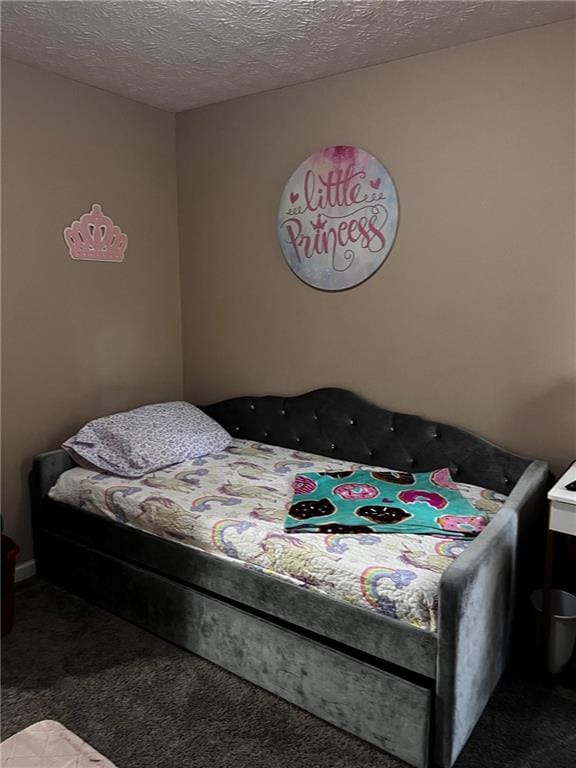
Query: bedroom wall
[[81, 339], [472, 318]]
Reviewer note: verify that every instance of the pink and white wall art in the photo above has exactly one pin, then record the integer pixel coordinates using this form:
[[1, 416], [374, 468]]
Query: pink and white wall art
[[338, 218], [95, 237]]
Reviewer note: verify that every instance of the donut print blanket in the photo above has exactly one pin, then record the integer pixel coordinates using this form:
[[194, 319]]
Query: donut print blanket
[[233, 504], [382, 501]]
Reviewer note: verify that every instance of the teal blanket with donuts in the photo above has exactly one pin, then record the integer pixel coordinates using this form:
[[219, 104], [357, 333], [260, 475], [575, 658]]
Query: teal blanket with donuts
[[381, 501]]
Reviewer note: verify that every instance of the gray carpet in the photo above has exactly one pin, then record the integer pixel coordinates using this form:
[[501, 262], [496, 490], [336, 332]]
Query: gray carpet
[[147, 704]]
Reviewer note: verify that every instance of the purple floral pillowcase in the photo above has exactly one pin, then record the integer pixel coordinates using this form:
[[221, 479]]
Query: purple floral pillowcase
[[133, 443]]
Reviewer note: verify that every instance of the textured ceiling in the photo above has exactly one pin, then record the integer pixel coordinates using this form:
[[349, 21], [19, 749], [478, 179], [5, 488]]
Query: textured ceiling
[[178, 55]]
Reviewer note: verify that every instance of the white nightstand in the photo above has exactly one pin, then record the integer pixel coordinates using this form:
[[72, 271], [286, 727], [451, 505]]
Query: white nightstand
[[563, 504], [560, 628]]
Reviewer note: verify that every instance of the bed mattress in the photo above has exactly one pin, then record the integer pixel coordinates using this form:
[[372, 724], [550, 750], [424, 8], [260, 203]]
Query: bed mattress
[[232, 505]]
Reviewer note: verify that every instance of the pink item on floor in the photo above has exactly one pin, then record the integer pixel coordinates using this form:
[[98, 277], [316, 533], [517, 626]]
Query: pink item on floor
[[48, 744]]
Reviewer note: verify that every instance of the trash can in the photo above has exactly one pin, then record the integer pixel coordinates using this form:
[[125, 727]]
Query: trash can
[[9, 553], [562, 637]]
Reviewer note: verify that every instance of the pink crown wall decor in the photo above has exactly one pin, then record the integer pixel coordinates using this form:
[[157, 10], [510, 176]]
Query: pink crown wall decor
[[95, 237]]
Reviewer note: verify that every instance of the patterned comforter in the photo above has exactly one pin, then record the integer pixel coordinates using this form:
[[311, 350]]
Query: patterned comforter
[[233, 504]]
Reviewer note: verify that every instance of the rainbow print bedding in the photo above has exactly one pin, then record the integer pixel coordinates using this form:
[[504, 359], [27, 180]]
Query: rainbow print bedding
[[233, 504]]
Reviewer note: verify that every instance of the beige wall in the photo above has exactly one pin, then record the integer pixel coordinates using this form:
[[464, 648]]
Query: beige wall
[[471, 320], [81, 339]]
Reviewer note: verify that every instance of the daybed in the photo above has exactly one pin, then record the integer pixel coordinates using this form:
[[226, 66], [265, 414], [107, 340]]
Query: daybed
[[412, 692]]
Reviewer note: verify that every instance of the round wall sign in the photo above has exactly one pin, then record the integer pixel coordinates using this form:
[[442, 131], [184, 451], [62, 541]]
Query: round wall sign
[[338, 218]]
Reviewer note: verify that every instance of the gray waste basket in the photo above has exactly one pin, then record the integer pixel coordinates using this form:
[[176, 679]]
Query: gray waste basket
[[562, 626]]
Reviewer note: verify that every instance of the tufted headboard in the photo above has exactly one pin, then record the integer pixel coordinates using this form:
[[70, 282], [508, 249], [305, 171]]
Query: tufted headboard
[[336, 422]]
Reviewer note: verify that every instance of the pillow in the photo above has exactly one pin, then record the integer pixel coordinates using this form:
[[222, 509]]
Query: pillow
[[382, 501], [132, 443]]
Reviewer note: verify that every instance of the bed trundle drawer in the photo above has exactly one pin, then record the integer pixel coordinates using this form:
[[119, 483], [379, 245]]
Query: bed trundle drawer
[[396, 643], [379, 707]]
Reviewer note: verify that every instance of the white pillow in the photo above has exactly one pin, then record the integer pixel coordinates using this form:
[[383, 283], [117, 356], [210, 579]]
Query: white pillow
[[132, 443]]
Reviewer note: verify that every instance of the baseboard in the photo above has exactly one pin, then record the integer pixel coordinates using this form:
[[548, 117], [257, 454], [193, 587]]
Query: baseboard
[[25, 570]]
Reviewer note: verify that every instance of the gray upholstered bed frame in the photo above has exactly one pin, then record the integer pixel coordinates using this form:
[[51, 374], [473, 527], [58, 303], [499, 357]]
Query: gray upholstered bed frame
[[413, 693]]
